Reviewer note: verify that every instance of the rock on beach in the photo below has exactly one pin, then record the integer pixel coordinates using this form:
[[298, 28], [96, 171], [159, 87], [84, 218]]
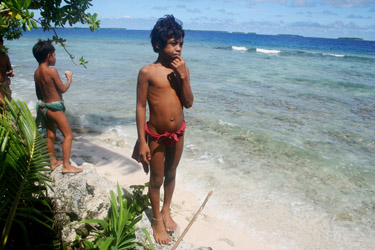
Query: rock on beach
[[85, 196]]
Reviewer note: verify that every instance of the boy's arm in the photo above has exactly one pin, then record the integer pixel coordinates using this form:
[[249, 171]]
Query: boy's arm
[[58, 82], [10, 71], [142, 88], [182, 70], [38, 92]]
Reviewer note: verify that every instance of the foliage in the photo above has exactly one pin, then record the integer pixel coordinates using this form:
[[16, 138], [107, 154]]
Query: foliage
[[139, 200], [23, 158], [3, 49], [118, 230], [17, 16]]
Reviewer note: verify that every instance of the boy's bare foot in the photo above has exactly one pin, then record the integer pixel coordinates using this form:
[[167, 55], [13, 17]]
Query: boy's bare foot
[[161, 236], [55, 164], [169, 223], [71, 170]]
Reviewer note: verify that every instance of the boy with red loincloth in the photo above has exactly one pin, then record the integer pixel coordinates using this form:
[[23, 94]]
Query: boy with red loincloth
[[165, 85]]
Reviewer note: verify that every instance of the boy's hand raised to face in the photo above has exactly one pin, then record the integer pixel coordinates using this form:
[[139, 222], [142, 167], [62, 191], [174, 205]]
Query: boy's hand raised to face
[[179, 66], [69, 75]]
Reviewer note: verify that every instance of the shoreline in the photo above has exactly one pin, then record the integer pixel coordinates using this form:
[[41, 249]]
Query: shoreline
[[209, 230]]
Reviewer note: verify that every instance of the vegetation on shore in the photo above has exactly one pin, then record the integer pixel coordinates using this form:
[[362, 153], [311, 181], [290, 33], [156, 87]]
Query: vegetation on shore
[[351, 38], [26, 214], [23, 178], [117, 231]]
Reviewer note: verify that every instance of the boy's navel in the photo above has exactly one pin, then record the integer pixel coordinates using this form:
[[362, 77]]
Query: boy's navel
[[172, 119]]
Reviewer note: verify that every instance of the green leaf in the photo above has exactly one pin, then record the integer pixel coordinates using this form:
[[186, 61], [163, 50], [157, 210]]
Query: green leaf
[[33, 23], [103, 223], [107, 243], [88, 245], [148, 238], [21, 176], [26, 4]]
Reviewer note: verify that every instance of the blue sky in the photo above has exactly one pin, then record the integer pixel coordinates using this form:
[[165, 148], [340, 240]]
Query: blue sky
[[315, 18]]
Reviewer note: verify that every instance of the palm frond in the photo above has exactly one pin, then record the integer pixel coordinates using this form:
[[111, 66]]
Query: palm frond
[[23, 158]]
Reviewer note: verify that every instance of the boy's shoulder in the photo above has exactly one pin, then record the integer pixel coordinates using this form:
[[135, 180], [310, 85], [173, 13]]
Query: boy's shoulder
[[47, 69], [151, 66], [51, 71], [149, 69]]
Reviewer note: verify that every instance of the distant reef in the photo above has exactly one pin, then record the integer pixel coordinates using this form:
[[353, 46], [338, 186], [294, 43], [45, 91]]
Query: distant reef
[[218, 31], [289, 35], [240, 32], [351, 38], [222, 31]]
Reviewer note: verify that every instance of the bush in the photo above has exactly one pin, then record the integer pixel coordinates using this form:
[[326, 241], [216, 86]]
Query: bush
[[117, 231], [23, 182]]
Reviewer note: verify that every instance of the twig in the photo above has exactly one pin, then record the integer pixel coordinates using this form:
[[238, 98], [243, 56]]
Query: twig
[[191, 222]]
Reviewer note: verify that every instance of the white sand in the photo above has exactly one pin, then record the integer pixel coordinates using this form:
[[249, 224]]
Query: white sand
[[208, 230]]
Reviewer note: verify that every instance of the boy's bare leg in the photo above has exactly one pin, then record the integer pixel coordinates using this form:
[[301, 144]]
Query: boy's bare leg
[[156, 180], [172, 158], [51, 135], [62, 122]]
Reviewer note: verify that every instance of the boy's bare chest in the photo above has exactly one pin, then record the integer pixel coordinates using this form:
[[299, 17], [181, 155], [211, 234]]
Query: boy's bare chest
[[165, 79]]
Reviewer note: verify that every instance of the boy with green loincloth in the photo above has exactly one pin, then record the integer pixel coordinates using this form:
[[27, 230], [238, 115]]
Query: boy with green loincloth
[[165, 86], [6, 71], [50, 107]]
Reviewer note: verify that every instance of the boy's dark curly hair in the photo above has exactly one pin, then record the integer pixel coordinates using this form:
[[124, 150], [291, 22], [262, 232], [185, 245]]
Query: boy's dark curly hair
[[42, 49], [165, 28]]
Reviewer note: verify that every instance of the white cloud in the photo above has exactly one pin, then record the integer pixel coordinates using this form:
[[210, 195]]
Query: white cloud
[[358, 17], [310, 3], [254, 1], [159, 8], [266, 1], [349, 3], [302, 3], [224, 11], [195, 10], [329, 13]]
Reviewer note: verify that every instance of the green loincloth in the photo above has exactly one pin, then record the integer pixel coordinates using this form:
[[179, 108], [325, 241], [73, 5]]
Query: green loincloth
[[5, 90], [41, 115]]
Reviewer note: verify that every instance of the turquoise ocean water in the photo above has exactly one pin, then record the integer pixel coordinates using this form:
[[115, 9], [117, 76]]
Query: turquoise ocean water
[[282, 128]]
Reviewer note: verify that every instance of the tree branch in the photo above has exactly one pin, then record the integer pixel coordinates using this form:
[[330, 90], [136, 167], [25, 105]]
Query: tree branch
[[191, 222]]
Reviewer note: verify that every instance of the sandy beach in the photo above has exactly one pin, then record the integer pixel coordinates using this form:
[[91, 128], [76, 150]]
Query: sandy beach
[[209, 230]]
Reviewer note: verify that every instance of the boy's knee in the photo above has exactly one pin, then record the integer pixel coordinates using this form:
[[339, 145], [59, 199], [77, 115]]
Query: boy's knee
[[69, 137], [171, 173], [51, 136], [155, 183]]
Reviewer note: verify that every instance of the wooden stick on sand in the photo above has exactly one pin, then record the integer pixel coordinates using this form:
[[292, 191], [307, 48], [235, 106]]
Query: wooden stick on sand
[[191, 222]]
